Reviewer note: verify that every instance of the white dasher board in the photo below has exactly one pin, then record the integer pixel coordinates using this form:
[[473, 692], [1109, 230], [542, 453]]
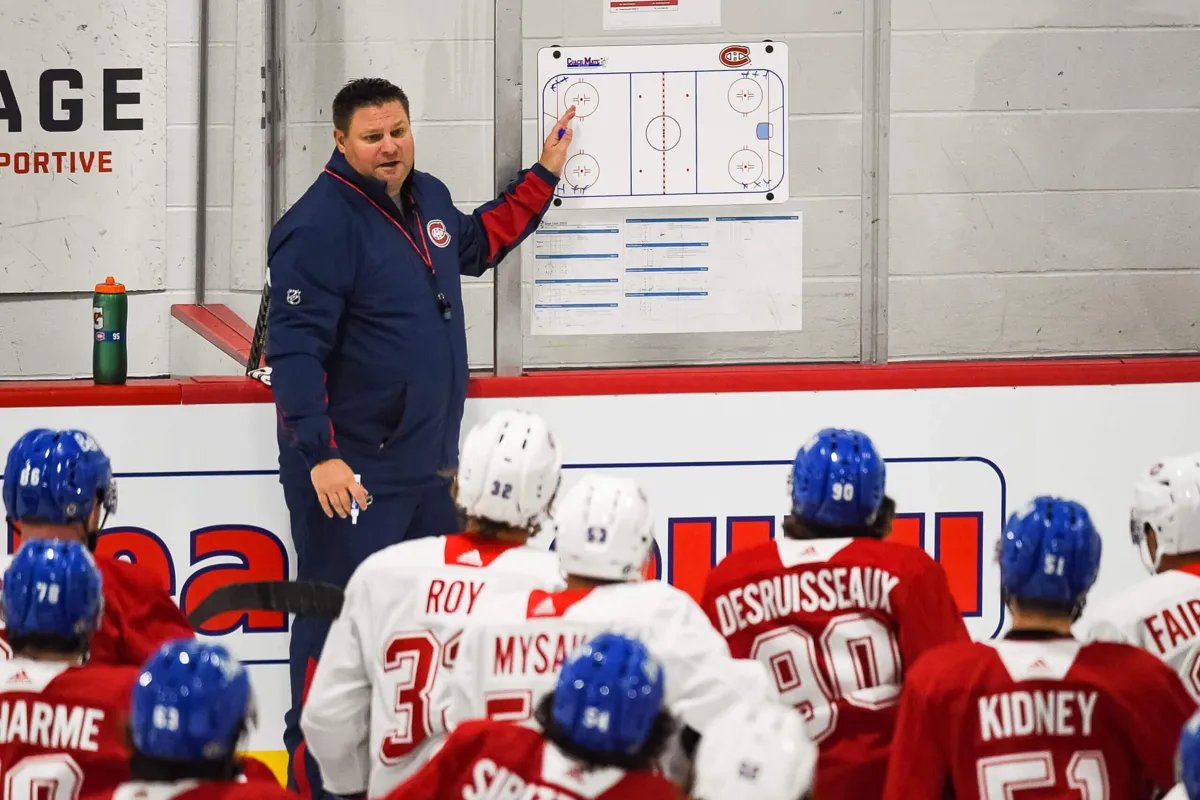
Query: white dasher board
[[669, 125]]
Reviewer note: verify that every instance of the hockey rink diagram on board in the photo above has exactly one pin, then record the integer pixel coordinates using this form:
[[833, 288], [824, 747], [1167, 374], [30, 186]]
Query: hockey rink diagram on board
[[686, 124]]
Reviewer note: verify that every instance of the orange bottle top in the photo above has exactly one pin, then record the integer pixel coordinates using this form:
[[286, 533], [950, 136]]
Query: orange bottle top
[[110, 286]]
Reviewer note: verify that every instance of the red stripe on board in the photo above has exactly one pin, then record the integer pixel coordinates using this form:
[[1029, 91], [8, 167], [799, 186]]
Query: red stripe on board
[[745, 533], [677, 380], [959, 546], [690, 550], [907, 530]]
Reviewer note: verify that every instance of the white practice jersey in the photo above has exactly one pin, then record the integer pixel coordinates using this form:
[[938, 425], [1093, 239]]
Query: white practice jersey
[[1161, 615], [368, 719], [510, 653], [1178, 793]]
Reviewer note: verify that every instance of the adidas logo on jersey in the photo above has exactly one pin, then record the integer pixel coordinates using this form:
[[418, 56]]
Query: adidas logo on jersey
[[545, 608], [471, 558], [20, 677], [1039, 664]]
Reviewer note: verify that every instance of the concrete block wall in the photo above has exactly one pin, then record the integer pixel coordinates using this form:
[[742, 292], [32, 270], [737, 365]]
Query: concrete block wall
[[1045, 177], [443, 59], [50, 334]]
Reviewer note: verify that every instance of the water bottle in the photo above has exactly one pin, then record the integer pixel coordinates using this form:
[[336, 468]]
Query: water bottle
[[110, 312]]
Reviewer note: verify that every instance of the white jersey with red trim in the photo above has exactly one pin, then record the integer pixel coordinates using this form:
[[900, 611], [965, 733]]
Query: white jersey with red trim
[[510, 653], [368, 720], [1161, 615]]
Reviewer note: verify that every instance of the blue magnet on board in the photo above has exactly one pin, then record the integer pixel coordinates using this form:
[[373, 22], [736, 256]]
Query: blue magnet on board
[[764, 130]]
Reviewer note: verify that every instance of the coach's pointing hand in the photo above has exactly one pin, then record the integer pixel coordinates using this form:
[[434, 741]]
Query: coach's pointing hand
[[336, 487], [554, 152]]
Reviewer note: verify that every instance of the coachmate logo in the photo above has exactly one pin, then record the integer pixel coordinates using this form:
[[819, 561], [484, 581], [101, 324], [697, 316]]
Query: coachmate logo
[[586, 61], [736, 55]]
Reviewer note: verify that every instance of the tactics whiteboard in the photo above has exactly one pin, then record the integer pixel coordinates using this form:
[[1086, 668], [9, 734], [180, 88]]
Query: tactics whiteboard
[[658, 125]]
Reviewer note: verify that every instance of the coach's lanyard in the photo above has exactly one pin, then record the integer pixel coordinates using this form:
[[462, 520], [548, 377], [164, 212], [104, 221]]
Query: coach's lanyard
[[423, 254]]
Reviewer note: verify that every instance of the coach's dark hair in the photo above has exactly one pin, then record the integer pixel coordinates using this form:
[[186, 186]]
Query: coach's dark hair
[[364, 93], [646, 758], [795, 527]]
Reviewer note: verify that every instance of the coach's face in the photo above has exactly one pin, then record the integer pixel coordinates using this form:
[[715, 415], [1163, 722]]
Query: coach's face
[[379, 144]]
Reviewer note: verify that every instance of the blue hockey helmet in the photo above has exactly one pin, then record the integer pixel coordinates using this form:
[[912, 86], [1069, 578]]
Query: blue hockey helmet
[[190, 703], [838, 479], [609, 695], [55, 477], [52, 588], [1050, 551], [1188, 757]]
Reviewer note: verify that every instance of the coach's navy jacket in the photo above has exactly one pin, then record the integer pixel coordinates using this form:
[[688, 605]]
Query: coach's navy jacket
[[367, 345]]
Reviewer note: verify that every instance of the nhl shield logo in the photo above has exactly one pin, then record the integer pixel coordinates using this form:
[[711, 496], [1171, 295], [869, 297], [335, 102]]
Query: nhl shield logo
[[438, 233], [293, 297]]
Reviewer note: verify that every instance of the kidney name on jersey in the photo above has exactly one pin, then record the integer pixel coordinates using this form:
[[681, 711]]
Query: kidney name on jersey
[[1037, 712], [452, 597], [827, 589], [493, 782], [539, 653], [55, 727], [1164, 624]]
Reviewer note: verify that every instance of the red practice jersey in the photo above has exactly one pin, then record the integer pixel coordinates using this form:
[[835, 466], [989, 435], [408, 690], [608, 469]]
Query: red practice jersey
[[1038, 717], [837, 622], [139, 616], [63, 727], [484, 759], [240, 789]]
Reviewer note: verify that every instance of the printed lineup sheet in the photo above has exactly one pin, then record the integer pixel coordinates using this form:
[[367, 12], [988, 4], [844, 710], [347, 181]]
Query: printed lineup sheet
[[669, 125], [612, 272]]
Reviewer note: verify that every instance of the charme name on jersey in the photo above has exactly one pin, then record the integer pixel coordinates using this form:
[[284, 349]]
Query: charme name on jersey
[[1054, 712], [493, 782], [539, 653], [452, 597], [56, 727], [827, 589]]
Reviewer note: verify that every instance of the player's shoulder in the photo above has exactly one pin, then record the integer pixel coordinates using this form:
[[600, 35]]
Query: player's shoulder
[[429, 185], [1122, 660], [403, 558], [126, 577], [646, 785], [949, 665], [897, 557], [1130, 605], [101, 682], [742, 563]]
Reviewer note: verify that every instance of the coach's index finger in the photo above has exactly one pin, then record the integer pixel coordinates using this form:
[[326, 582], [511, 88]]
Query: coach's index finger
[[565, 118]]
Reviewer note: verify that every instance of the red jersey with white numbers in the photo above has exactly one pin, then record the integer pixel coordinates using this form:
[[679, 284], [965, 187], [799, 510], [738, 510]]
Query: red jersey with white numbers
[[484, 759], [1037, 717], [368, 720], [837, 622], [63, 727]]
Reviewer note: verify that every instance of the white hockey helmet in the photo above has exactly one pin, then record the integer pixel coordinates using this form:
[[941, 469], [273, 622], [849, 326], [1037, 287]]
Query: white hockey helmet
[[605, 529], [755, 750], [509, 469], [1167, 498]]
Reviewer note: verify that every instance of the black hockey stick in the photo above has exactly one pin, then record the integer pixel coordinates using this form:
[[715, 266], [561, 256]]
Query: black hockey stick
[[302, 598], [258, 345]]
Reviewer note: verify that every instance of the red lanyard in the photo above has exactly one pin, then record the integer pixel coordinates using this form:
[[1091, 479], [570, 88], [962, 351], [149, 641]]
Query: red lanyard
[[423, 255], [426, 259]]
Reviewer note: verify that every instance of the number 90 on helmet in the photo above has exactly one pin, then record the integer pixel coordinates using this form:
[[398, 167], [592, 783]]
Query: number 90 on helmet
[[838, 480], [1050, 553], [509, 469]]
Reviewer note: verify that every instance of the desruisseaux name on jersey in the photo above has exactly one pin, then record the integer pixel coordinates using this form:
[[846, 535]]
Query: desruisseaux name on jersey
[[826, 589], [55, 727]]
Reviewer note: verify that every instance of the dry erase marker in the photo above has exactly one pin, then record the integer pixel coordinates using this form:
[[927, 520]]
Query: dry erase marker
[[354, 503]]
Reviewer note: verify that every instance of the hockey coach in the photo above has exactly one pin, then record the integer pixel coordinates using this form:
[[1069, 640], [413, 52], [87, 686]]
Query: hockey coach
[[367, 345]]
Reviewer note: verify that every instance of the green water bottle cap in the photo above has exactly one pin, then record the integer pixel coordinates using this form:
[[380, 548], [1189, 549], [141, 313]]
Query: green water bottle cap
[[110, 286]]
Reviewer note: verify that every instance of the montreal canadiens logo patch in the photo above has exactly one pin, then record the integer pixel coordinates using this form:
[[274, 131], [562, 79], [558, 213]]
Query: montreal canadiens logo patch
[[438, 233]]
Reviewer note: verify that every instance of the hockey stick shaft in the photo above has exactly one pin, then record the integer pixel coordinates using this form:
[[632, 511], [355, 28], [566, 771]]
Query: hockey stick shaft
[[302, 598]]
